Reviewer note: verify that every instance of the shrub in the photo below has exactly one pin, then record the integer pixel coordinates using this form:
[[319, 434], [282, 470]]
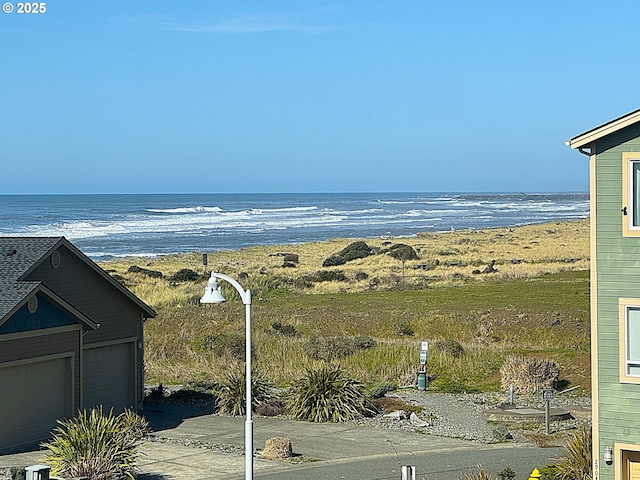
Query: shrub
[[404, 329], [283, 329], [481, 474], [291, 257], [144, 271], [338, 347], [232, 396], [355, 250], [229, 345], [328, 394], [506, 474], [576, 463], [528, 375], [361, 276], [96, 446], [449, 347], [403, 252], [329, 276], [185, 275], [548, 472], [334, 261], [272, 408], [380, 389]]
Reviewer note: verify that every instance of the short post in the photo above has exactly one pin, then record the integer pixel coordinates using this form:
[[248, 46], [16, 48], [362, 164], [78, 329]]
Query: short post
[[511, 394], [408, 472], [547, 395]]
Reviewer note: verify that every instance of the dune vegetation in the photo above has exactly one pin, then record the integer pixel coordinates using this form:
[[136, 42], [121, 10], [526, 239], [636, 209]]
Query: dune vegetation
[[372, 303]]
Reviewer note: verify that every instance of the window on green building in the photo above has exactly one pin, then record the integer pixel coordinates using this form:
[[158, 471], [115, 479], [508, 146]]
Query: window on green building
[[629, 340], [633, 341], [631, 194]]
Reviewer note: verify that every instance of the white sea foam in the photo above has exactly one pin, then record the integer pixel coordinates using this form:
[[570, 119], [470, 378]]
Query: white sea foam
[[149, 225]]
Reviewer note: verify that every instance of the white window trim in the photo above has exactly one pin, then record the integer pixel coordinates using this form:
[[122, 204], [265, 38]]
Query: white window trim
[[628, 159], [624, 304]]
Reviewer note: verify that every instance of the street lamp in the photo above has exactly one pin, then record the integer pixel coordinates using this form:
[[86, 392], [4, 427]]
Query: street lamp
[[213, 294]]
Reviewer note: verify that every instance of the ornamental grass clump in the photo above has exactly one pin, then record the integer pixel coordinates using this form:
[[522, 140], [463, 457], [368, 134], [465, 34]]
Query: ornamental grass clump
[[576, 462], [232, 396], [328, 395], [97, 446]]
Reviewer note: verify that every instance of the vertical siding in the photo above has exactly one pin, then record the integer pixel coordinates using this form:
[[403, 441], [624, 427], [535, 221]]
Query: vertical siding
[[618, 273]]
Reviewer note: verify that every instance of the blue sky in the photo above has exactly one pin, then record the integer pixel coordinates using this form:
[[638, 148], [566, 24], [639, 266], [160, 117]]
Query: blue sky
[[295, 96]]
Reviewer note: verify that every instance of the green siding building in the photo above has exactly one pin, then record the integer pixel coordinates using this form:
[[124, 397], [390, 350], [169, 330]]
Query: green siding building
[[614, 156]]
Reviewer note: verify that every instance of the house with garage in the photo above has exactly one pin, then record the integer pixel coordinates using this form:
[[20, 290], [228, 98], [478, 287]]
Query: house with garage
[[613, 149], [71, 337]]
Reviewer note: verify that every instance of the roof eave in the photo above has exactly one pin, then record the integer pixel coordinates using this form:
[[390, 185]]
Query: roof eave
[[608, 128], [148, 311], [39, 287]]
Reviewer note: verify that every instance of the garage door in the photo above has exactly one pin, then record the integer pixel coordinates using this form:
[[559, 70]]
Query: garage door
[[35, 396], [109, 377]]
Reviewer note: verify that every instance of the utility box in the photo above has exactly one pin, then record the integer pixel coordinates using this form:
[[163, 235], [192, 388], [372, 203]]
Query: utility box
[[37, 472], [422, 380]]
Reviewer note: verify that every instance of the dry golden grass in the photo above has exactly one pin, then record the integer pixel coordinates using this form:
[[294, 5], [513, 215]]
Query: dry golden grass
[[514, 310], [451, 257]]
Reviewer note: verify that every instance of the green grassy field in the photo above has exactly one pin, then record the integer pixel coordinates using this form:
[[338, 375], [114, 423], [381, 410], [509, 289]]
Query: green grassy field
[[536, 304]]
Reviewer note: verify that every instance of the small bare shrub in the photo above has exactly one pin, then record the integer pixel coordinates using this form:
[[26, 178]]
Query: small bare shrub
[[528, 375], [272, 408], [408, 378]]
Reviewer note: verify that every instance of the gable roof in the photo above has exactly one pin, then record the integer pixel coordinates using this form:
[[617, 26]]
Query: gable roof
[[21, 255], [584, 139]]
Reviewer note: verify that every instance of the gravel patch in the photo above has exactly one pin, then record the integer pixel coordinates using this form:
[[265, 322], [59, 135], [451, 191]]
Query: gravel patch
[[443, 414], [462, 416]]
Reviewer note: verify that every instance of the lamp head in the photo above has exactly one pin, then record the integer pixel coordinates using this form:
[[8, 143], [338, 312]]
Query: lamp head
[[212, 293]]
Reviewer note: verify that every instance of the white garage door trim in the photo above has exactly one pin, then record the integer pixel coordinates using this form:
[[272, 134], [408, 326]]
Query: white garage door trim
[[109, 372], [39, 391]]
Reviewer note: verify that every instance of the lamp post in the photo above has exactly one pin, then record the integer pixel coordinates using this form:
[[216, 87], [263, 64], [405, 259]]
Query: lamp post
[[213, 294]]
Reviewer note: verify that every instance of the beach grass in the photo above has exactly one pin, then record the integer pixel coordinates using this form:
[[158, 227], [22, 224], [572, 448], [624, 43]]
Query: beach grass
[[536, 304]]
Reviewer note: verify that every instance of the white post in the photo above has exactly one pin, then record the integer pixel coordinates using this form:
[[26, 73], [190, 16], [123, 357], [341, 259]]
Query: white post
[[248, 427], [213, 295]]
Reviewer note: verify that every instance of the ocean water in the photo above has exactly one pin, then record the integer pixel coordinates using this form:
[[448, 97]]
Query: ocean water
[[108, 226]]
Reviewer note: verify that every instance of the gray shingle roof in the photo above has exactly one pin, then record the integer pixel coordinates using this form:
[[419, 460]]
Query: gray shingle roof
[[17, 256]]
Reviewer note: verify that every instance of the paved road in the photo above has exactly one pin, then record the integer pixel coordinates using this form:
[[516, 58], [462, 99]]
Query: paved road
[[339, 451], [329, 451]]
